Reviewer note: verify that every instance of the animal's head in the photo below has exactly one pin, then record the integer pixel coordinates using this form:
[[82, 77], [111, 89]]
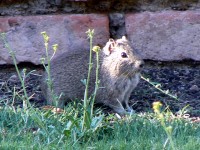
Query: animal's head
[[122, 59]]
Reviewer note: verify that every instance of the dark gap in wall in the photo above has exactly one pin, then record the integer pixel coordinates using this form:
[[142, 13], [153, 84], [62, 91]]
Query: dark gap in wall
[[117, 25], [188, 62]]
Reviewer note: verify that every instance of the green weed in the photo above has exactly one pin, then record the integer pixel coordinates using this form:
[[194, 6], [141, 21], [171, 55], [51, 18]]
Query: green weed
[[47, 59], [22, 77], [42, 129]]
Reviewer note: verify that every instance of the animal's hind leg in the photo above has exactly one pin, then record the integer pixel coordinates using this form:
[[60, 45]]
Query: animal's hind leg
[[128, 108], [117, 107]]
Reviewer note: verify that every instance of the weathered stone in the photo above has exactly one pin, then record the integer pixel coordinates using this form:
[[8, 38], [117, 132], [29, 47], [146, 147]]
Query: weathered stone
[[68, 31], [165, 36]]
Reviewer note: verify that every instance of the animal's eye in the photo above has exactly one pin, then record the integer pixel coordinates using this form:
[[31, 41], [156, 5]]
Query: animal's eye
[[124, 55]]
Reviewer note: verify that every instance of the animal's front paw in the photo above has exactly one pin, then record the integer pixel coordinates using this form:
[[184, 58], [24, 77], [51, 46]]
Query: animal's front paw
[[130, 112]]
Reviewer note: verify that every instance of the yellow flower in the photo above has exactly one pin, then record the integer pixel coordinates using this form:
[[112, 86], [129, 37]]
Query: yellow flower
[[157, 106], [96, 49], [45, 37], [55, 47], [169, 129]]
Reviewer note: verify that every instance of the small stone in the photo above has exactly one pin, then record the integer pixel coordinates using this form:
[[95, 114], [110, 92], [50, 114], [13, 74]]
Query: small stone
[[17, 6], [13, 78], [194, 88], [25, 6]]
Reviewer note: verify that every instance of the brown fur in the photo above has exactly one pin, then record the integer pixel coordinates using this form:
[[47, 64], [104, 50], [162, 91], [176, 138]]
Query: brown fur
[[118, 76]]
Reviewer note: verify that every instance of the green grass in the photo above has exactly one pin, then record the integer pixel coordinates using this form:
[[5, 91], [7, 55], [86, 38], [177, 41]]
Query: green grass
[[42, 129]]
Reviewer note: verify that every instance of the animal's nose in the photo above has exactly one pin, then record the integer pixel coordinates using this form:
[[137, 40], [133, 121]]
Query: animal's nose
[[140, 64]]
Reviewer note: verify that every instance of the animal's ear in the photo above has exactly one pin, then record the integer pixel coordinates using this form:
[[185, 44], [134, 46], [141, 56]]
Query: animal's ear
[[109, 47], [124, 38]]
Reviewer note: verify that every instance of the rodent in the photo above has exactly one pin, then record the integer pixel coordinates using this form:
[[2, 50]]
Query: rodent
[[119, 74]]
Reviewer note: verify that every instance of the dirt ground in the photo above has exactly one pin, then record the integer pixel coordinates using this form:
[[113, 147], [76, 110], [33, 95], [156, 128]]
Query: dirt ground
[[182, 80]]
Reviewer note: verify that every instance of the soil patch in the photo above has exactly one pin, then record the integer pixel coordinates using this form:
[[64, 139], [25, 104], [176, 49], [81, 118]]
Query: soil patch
[[181, 80]]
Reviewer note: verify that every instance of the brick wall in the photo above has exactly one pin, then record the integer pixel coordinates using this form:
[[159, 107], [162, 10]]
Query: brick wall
[[160, 30]]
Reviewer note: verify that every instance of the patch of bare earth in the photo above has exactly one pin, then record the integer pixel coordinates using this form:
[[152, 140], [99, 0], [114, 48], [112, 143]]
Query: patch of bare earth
[[181, 81]]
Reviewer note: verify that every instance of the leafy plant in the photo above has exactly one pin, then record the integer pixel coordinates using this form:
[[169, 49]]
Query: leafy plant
[[89, 123], [88, 119], [47, 59], [157, 86], [22, 77], [161, 117]]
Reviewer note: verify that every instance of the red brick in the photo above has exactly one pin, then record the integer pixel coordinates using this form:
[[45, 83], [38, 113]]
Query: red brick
[[166, 35], [68, 31]]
